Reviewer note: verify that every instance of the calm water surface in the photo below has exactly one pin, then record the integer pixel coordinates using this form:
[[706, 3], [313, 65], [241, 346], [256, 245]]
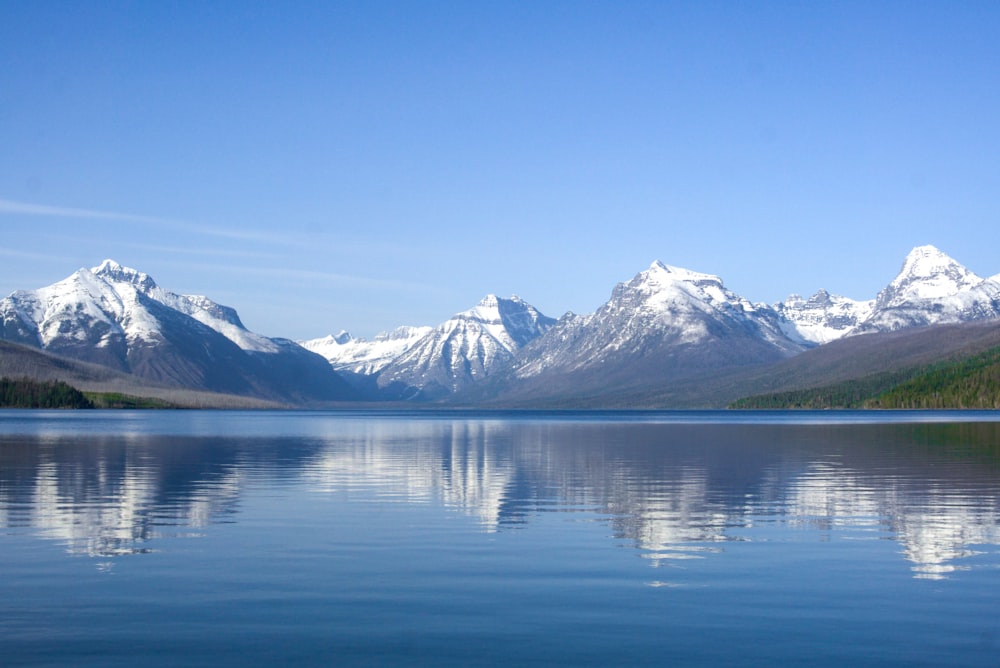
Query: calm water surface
[[335, 538]]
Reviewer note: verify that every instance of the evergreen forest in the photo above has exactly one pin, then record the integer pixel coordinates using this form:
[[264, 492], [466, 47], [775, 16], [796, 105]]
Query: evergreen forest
[[28, 393], [971, 382]]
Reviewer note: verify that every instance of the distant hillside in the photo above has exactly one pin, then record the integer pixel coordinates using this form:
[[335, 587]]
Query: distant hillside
[[968, 382], [19, 361]]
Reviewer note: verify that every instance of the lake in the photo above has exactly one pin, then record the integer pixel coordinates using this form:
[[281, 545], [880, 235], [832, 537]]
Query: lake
[[201, 538]]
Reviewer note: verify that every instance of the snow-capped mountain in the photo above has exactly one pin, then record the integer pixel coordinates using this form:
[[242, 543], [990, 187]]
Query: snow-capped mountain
[[823, 317], [361, 356], [667, 322], [932, 288], [120, 317], [468, 347]]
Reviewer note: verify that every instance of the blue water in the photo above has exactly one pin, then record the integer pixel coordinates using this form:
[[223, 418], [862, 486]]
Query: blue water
[[178, 538]]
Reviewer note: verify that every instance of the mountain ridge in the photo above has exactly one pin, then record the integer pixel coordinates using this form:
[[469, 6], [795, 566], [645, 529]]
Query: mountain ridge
[[665, 329]]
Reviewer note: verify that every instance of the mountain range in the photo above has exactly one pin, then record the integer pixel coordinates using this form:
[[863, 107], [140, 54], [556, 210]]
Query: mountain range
[[662, 339]]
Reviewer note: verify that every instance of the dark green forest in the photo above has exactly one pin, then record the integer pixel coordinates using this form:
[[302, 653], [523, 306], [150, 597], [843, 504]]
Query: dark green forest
[[969, 382], [27, 393]]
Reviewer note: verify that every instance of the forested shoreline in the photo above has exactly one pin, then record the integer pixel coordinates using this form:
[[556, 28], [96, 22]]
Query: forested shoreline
[[967, 383], [28, 393]]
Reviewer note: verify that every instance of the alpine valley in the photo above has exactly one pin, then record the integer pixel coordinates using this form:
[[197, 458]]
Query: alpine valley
[[669, 337]]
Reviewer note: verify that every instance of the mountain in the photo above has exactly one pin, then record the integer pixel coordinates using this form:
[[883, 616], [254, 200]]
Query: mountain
[[361, 356], [932, 288], [675, 337], [119, 318], [667, 337], [465, 349], [823, 317], [433, 362], [666, 324]]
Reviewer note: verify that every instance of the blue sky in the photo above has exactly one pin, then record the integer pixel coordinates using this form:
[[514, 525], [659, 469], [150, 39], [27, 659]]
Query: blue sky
[[323, 166]]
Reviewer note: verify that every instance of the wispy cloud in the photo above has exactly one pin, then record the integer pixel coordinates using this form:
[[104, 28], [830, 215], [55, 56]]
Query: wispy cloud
[[31, 209], [329, 278], [11, 207], [210, 251], [27, 255], [308, 241]]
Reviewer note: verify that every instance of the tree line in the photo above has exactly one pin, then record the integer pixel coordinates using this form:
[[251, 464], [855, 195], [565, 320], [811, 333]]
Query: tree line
[[968, 382]]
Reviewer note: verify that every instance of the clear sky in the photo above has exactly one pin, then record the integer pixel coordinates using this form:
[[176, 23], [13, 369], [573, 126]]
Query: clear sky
[[330, 165]]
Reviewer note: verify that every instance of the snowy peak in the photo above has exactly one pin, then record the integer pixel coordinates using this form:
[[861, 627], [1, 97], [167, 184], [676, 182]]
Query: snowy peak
[[659, 272], [511, 321], [662, 279], [929, 261], [468, 347], [487, 310], [930, 288], [116, 273], [664, 323], [666, 291], [116, 304], [823, 317], [927, 273], [490, 308], [360, 356]]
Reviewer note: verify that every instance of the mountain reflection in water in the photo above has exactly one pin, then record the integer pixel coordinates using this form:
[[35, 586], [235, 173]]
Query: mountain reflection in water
[[670, 491]]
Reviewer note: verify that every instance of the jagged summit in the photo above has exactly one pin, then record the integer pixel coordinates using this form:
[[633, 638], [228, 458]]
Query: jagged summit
[[111, 270], [490, 305], [928, 260], [664, 282], [658, 271], [821, 296], [486, 310], [669, 291], [823, 317], [361, 356]]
